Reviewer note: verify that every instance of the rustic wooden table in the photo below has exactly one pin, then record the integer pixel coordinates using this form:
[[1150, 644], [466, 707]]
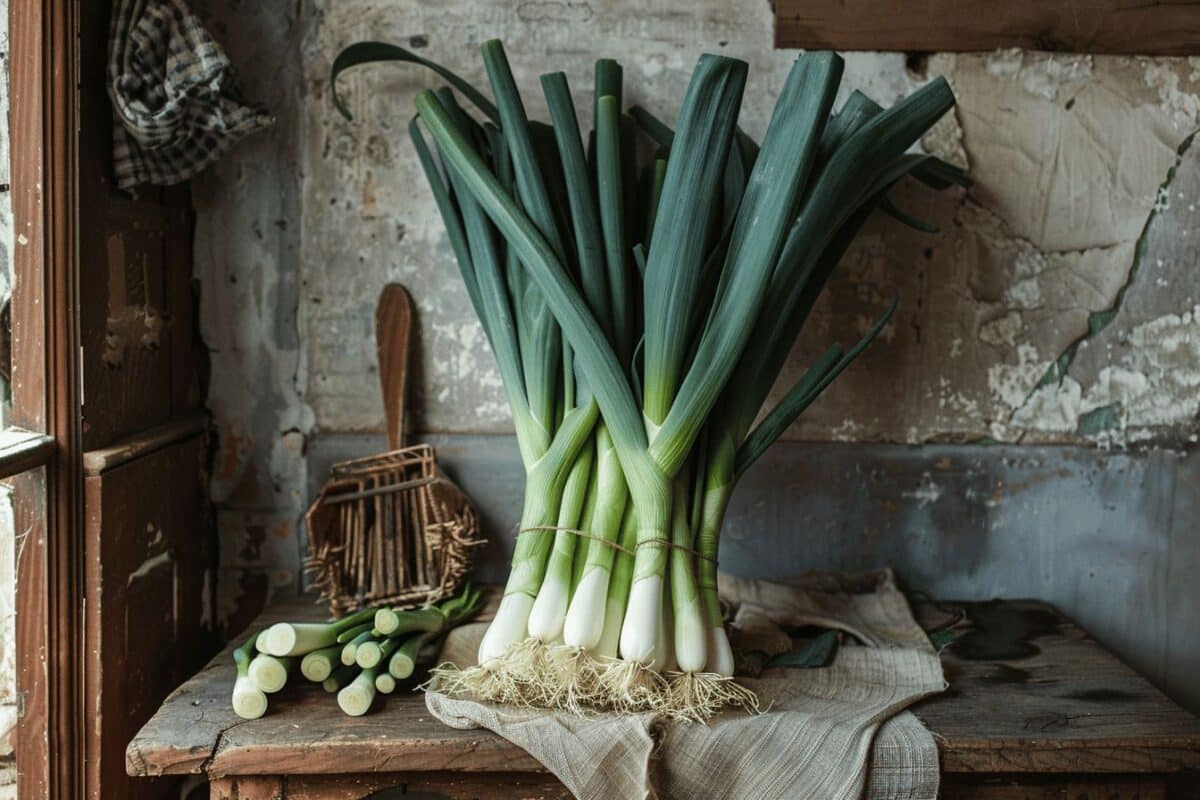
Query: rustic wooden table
[[1036, 710]]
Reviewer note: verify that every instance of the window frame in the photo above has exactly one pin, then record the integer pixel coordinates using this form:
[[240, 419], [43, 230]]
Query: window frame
[[45, 461]]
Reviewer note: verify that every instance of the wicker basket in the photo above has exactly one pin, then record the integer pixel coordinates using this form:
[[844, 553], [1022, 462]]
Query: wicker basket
[[389, 530]]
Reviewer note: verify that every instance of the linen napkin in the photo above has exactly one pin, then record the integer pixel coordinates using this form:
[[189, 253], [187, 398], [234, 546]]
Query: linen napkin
[[838, 732]]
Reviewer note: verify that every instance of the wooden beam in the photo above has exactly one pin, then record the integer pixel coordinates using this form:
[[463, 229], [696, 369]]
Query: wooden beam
[[1083, 26]]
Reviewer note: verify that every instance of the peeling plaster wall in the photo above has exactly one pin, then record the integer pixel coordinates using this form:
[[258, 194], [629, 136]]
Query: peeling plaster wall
[[1072, 157], [1059, 305], [247, 258]]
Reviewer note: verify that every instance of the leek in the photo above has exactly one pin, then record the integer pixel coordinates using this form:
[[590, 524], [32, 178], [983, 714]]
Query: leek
[[393, 622], [340, 653], [355, 698], [350, 649], [638, 329], [404, 659], [341, 677], [270, 673], [317, 665], [288, 639], [249, 701]]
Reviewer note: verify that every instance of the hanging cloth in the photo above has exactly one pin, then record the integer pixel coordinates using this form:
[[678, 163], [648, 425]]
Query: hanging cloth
[[174, 106]]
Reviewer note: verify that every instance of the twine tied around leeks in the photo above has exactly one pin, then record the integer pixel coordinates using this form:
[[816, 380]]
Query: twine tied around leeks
[[667, 543]]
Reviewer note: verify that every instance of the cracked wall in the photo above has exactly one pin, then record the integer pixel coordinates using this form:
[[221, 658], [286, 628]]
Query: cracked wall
[[1072, 158], [1056, 305], [1077, 237]]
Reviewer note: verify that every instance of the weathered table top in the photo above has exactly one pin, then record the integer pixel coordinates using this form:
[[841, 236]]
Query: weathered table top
[[1029, 692]]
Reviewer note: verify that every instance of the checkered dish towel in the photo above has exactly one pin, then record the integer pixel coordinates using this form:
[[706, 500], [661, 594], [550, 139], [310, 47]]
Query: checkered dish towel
[[835, 733], [174, 107]]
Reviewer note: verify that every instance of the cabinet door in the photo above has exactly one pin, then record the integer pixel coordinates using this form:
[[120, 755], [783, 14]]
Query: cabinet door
[[149, 576]]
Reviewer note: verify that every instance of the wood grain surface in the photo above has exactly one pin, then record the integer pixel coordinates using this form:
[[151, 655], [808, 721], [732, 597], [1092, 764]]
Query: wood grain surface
[[1029, 693], [393, 332], [1082, 26]]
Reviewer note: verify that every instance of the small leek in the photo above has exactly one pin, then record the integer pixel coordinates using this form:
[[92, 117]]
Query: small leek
[[355, 698], [294, 639], [270, 673], [249, 701]]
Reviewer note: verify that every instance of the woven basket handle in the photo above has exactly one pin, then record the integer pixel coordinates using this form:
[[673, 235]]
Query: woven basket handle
[[393, 330]]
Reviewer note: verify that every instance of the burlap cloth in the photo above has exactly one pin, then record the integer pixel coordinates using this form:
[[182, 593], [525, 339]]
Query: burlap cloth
[[832, 733]]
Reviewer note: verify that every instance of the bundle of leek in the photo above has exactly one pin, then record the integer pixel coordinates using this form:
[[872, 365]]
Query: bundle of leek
[[639, 316], [346, 656]]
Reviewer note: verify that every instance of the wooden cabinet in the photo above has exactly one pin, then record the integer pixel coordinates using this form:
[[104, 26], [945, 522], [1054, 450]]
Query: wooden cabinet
[[148, 617]]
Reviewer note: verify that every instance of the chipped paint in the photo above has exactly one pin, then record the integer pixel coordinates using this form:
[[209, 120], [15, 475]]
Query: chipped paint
[[1156, 384], [927, 493], [1006, 273]]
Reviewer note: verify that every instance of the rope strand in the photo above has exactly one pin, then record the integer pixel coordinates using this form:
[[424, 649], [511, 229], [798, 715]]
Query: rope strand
[[616, 545]]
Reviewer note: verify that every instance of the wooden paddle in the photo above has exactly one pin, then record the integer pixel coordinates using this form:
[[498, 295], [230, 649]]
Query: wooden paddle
[[393, 331]]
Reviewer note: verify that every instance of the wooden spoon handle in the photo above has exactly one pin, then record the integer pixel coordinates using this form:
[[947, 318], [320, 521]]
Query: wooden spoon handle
[[393, 330]]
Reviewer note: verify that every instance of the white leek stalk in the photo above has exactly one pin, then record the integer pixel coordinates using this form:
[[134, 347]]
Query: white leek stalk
[[296, 639], [249, 702], [394, 622], [270, 673], [404, 659], [340, 678], [587, 617], [318, 665], [355, 698], [350, 649], [374, 653], [550, 607]]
